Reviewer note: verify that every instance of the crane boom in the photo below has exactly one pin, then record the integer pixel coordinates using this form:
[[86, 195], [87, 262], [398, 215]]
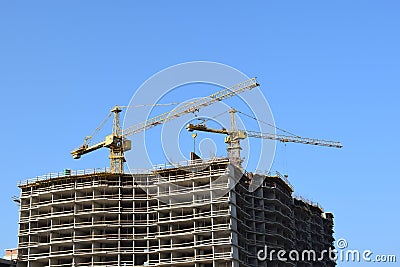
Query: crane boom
[[278, 137], [294, 139], [191, 107], [86, 149], [200, 127]]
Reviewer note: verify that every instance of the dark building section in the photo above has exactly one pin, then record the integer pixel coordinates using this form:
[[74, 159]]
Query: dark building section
[[270, 219], [7, 263], [314, 231]]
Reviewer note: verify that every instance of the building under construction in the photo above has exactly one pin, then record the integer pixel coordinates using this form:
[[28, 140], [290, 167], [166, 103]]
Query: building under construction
[[199, 213]]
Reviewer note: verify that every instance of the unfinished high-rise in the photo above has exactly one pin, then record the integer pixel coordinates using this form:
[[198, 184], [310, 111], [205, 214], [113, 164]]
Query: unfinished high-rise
[[200, 213]]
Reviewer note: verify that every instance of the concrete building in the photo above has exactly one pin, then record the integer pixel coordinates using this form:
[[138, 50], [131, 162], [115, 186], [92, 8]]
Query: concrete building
[[200, 213]]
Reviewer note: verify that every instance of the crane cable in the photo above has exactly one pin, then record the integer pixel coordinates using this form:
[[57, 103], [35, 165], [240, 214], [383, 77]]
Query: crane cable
[[89, 138], [284, 160], [269, 124], [211, 118]]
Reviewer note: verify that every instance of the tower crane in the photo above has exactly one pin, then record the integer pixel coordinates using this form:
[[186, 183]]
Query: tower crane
[[118, 141], [234, 136]]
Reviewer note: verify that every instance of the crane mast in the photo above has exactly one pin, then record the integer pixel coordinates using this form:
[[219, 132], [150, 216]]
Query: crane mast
[[233, 141], [118, 145]]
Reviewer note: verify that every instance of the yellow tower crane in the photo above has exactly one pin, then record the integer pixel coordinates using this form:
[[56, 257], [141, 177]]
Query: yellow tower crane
[[118, 141], [234, 136]]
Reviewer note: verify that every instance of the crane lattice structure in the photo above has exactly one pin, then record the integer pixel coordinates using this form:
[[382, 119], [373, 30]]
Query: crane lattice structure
[[118, 141]]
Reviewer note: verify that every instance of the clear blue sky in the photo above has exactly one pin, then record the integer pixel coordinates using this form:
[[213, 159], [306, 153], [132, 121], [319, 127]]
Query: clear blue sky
[[329, 69]]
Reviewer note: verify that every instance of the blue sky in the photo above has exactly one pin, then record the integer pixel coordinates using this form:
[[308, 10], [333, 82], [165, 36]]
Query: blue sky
[[328, 70]]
